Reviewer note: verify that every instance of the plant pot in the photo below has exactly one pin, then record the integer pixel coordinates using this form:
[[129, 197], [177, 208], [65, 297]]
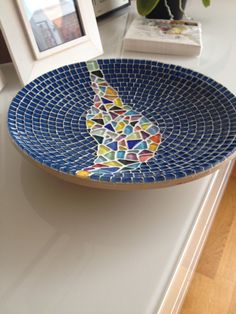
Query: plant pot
[[161, 11]]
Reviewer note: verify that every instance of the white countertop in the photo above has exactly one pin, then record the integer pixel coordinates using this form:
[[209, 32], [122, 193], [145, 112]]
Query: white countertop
[[67, 249]]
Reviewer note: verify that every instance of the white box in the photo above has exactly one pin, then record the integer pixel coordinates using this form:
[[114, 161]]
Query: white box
[[173, 37]]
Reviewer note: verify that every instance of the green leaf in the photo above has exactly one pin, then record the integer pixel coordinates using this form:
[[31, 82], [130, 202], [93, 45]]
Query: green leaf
[[206, 3], [144, 7]]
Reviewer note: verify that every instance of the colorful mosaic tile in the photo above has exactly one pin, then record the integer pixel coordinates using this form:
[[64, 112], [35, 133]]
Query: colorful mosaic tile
[[112, 127], [125, 121]]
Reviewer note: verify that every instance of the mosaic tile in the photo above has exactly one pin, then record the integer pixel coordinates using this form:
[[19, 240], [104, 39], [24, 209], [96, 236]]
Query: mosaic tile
[[125, 121]]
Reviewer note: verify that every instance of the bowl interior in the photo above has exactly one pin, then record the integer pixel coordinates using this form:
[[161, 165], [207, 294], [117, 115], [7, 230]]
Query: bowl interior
[[196, 117]]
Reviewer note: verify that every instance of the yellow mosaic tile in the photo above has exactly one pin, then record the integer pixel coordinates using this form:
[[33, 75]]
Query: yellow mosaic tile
[[145, 126], [134, 136], [89, 124], [103, 150], [111, 91], [153, 147], [113, 164], [120, 126], [83, 173], [118, 102]]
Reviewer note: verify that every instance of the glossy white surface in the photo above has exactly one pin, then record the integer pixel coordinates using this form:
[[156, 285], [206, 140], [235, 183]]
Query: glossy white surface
[[66, 249]]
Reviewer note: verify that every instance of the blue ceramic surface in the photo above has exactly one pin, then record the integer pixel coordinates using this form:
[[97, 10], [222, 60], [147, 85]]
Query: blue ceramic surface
[[196, 117]]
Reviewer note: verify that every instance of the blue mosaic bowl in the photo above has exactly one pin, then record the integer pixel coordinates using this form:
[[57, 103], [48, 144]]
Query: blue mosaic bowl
[[196, 117]]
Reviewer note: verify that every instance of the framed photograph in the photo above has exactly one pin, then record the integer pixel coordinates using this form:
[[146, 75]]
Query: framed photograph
[[103, 7], [42, 35], [52, 25]]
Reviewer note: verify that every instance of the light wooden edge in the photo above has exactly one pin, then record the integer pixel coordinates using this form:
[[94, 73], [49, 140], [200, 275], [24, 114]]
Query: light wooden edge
[[234, 170], [121, 186], [185, 267]]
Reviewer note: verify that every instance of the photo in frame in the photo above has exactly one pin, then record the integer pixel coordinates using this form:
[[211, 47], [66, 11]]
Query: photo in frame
[[42, 35], [104, 7], [52, 25]]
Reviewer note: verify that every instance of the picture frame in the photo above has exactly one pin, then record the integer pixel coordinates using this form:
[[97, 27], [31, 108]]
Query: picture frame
[[2, 80], [104, 7], [29, 59], [51, 26]]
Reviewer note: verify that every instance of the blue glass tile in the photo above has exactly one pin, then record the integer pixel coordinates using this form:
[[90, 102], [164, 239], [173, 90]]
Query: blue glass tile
[[126, 180], [105, 101], [132, 143], [128, 130], [120, 154], [109, 127], [112, 145], [149, 179]]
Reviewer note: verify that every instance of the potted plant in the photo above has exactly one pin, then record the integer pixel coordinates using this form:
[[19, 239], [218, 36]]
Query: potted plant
[[163, 9]]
